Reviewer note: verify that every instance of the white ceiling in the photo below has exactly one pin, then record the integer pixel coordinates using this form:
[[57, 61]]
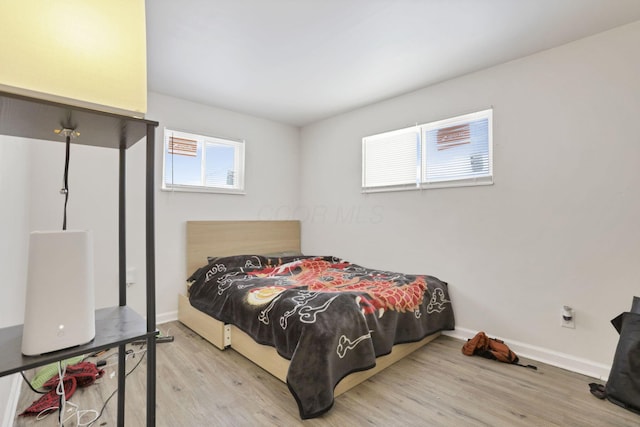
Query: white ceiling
[[299, 61]]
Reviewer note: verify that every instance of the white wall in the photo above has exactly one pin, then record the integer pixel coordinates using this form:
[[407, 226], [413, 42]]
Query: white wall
[[14, 228], [93, 203], [560, 224], [14, 184], [271, 179]]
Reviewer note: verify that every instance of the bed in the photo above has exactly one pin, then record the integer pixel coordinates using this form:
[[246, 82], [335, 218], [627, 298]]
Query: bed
[[253, 291]]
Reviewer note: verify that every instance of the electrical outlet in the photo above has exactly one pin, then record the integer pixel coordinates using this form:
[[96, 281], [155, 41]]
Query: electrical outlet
[[568, 317], [131, 276]]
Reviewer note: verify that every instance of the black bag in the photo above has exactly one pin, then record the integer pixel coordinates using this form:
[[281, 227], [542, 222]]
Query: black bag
[[623, 385]]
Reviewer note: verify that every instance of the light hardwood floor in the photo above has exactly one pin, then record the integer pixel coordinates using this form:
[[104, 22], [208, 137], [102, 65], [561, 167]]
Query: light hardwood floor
[[198, 385]]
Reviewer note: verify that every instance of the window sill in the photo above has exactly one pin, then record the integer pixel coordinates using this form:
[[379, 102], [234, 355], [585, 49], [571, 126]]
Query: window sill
[[181, 189], [473, 182]]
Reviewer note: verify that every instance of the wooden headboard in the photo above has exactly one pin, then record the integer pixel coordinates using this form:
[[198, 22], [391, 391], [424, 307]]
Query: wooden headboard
[[225, 238]]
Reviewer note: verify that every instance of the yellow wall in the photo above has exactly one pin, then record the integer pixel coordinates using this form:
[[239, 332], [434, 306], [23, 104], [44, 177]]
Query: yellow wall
[[85, 52]]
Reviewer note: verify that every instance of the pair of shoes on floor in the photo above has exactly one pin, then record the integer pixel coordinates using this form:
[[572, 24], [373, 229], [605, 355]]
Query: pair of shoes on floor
[[597, 390]]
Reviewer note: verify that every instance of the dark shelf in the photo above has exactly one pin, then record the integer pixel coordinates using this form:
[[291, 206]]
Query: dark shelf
[[32, 118], [114, 326], [35, 118]]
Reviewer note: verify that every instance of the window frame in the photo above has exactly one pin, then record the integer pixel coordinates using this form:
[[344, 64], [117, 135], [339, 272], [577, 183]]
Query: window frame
[[202, 142], [422, 162]]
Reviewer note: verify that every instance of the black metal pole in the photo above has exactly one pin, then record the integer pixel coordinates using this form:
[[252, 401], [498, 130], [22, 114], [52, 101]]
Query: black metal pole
[[122, 274], [122, 375], [122, 228], [151, 279]]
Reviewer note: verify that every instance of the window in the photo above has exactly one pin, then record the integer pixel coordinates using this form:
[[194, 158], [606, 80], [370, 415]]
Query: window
[[202, 163], [448, 153]]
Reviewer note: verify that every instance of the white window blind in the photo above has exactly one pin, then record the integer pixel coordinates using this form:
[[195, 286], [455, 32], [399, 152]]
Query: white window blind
[[389, 159], [202, 163], [451, 152], [457, 149]]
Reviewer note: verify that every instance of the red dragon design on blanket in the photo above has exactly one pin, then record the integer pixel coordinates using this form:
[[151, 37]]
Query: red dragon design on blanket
[[318, 274]]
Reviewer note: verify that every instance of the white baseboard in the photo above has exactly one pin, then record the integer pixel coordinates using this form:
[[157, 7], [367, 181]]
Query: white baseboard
[[12, 403], [540, 354], [166, 317], [544, 355]]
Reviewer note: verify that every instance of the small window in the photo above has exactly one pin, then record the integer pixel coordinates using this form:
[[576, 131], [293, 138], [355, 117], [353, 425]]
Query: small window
[[390, 159], [448, 153], [202, 163]]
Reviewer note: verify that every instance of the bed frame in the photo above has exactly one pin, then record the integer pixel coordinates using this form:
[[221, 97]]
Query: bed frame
[[225, 238]]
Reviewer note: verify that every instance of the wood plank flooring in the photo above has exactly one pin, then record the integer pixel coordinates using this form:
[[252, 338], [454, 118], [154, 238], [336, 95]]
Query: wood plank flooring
[[198, 385]]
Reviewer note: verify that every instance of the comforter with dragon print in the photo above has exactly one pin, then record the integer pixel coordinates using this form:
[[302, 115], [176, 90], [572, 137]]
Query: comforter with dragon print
[[327, 316]]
